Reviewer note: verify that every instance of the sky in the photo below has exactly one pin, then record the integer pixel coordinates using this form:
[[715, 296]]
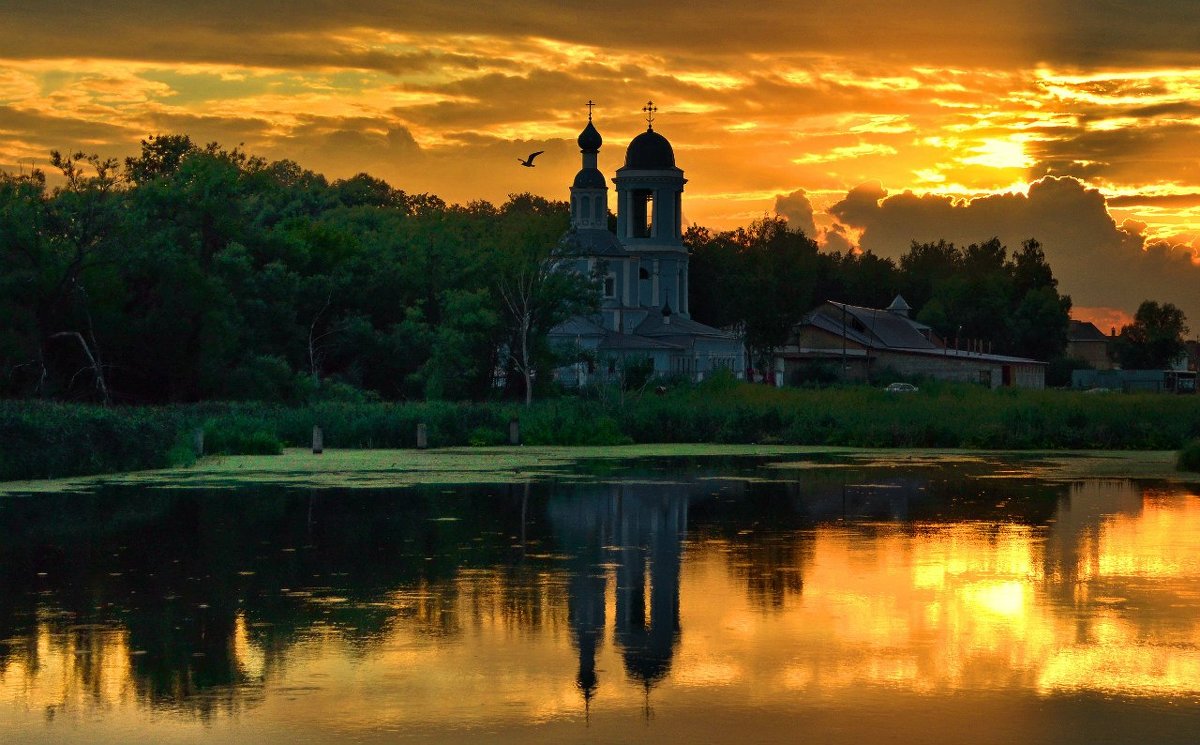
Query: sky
[[867, 124]]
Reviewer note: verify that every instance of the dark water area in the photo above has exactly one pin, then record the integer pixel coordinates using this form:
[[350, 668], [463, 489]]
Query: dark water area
[[698, 600]]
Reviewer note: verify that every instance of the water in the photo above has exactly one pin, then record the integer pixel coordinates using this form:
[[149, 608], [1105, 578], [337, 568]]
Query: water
[[727, 600]]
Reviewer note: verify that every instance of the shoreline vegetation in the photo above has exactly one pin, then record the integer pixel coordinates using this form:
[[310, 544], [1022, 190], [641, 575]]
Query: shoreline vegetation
[[54, 440]]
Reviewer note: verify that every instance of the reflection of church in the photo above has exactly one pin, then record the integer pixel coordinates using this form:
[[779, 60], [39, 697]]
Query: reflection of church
[[639, 528], [642, 268]]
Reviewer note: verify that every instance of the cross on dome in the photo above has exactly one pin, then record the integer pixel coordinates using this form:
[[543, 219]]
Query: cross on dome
[[590, 104], [650, 110]]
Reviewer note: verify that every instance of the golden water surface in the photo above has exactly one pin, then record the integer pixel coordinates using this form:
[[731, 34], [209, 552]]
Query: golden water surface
[[635, 620]]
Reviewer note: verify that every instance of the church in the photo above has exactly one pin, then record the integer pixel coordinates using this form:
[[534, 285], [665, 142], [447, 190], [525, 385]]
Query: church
[[642, 268]]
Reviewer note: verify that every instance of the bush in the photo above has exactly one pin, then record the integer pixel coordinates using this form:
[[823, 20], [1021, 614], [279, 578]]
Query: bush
[[240, 438], [485, 437], [1189, 457], [50, 440]]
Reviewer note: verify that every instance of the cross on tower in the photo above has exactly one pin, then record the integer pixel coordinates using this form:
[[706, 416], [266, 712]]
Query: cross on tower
[[650, 110], [590, 104]]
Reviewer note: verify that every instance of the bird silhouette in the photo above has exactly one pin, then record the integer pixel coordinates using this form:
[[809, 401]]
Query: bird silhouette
[[528, 162]]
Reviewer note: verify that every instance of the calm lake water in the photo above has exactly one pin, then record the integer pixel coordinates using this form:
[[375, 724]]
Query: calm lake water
[[675, 600]]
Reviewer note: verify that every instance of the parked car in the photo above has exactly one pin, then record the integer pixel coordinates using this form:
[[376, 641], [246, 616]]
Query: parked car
[[901, 388]]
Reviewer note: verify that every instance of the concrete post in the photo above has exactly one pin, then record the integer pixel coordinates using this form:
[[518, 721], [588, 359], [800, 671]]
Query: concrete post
[[198, 441], [318, 440], [422, 437], [514, 431]]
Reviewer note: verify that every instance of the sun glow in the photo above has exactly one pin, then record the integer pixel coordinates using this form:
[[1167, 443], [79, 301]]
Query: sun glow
[[998, 153]]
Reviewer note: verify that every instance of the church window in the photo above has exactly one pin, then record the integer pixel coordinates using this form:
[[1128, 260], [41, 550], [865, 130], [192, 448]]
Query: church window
[[610, 286], [599, 216], [643, 273], [642, 223], [586, 207]]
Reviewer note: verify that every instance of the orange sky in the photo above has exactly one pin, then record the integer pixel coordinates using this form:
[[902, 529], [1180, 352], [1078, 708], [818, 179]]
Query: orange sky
[[830, 108]]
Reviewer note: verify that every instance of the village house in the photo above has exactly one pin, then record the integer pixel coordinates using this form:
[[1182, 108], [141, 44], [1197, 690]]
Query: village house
[[1087, 343], [644, 319], [875, 345]]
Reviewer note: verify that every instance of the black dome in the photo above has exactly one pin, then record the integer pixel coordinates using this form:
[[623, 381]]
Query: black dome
[[589, 178], [649, 151], [589, 139]]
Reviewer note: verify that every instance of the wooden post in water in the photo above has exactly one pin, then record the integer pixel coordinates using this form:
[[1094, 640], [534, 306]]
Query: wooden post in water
[[198, 441], [422, 436], [514, 431], [318, 440]]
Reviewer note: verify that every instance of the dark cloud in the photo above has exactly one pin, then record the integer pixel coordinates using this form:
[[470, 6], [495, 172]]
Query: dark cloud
[[797, 210], [1017, 32], [1097, 262], [834, 238], [1139, 154]]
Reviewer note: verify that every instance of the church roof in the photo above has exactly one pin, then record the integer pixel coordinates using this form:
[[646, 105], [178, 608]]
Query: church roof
[[589, 178], [578, 326], [590, 139], [615, 340], [649, 151], [657, 325], [594, 242]]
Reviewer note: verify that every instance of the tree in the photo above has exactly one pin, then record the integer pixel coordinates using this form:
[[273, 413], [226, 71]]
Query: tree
[[536, 283], [1155, 338], [762, 278]]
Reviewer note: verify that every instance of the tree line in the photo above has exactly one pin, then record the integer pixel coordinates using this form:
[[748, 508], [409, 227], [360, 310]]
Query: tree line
[[194, 272]]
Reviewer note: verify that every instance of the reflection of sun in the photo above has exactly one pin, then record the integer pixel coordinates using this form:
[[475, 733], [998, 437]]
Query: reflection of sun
[[1003, 598]]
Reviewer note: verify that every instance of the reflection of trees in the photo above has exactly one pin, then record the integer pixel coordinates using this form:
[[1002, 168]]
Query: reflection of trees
[[771, 566], [188, 577]]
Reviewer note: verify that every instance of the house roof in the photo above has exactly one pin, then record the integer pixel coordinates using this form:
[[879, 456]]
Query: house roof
[[880, 327], [880, 330], [1085, 331]]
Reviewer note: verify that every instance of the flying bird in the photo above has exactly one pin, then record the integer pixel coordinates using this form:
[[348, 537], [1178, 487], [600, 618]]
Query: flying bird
[[528, 162]]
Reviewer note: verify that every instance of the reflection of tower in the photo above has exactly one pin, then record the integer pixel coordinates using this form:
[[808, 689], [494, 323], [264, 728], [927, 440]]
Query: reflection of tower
[[582, 525], [645, 525], [652, 519]]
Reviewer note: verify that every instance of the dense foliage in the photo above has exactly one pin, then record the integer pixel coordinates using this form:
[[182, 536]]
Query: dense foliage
[[1154, 341], [198, 273]]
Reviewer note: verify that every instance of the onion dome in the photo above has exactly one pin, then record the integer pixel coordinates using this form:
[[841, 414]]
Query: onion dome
[[649, 151], [590, 139], [589, 178]]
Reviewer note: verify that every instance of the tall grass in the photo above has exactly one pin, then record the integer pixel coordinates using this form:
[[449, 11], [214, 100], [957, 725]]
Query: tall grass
[[1189, 457], [50, 440], [47, 440]]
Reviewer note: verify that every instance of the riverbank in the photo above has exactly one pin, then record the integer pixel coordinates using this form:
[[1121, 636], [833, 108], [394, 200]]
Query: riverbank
[[373, 469], [43, 440]]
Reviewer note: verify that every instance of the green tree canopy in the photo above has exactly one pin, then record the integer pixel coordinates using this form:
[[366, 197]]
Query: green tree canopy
[[1154, 341]]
